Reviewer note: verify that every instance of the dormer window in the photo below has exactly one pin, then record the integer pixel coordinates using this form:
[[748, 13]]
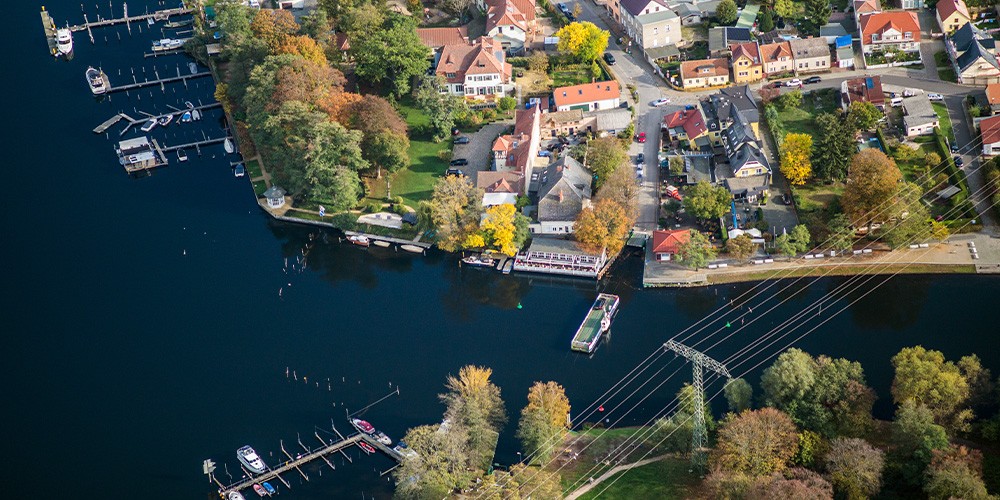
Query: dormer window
[[908, 35]]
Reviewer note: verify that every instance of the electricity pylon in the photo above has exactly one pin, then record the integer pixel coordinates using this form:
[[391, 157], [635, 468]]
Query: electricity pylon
[[699, 361]]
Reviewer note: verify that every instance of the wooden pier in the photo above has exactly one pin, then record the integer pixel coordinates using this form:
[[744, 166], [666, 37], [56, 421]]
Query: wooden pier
[[196, 144], [100, 129], [50, 32], [158, 81], [159, 15]]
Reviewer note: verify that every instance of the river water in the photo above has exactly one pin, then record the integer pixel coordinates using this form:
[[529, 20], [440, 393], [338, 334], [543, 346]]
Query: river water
[[150, 322]]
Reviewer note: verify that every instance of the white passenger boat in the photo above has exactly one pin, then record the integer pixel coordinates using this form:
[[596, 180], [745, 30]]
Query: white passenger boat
[[249, 458], [64, 41]]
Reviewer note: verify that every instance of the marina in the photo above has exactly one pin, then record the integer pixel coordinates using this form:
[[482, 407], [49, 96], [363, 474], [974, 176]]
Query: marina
[[110, 122], [596, 323]]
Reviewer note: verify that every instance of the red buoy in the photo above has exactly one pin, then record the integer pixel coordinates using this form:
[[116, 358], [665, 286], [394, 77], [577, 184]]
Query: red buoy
[[600, 408]]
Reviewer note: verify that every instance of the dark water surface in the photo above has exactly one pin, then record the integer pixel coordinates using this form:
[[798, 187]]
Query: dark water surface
[[144, 331]]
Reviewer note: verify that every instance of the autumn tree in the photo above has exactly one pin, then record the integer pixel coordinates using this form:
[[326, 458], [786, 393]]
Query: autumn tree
[[726, 12], [795, 158], [273, 27], [855, 467], [521, 482], [756, 442], [914, 439], [455, 207], [455, 7], [583, 40], [384, 133], [834, 147], [738, 394], [602, 226], [620, 187], [705, 201], [473, 403], [543, 421], [439, 466], [303, 46], [388, 54], [785, 8], [538, 61], [872, 181], [697, 252], [863, 115], [956, 472], [603, 156], [740, 247], [925, 377], [791, 484], [498, 230]]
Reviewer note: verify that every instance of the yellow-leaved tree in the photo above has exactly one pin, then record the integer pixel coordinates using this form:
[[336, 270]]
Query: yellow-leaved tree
[[605, 225], [795, 153], [499, 230]]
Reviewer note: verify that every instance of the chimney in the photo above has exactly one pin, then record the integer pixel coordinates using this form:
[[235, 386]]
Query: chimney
[[560, 195]]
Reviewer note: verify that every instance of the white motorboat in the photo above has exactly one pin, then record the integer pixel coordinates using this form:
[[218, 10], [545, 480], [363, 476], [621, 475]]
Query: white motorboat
[[166, 119], [359, 240], [181, 155], [149, 125], [251, 460], [64, 41], [97, 80], [228, 144], [235, 495], [167, 44], [195, 115], [186, 117]]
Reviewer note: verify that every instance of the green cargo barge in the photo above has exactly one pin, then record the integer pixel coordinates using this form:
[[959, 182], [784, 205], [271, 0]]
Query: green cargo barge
[[597, 322]]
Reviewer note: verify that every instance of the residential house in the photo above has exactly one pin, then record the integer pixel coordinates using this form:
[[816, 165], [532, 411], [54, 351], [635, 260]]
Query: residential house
[[749, 189], [832, 31], [726, 107], [951, 15], [609, 121], [989, 133], [890, 39], [977, 66], [844, 55], [863, 7], [811, 54], [963, 39], [511, 22], [864, 89], [686, 125], [518, 151], [911, 4], [746, 61], [437, 38], [477, 71], [688, 13], [588, 96], [993, 96], [720, 38], [777, 58], [562, 190], [560, 256], [651, 25], [500, 187], [919, 116], [704, 73], [563, 123], [667, 243]]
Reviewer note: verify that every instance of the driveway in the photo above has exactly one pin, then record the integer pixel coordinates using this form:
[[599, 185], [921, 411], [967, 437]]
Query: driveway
[[477, 151]]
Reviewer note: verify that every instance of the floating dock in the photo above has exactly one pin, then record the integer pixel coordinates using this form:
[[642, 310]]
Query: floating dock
[[158, 81], [159, 15], [597, 322], [50, 32]]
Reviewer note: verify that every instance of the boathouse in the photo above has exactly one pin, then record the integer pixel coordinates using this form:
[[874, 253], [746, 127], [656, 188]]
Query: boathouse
[[137, 154], [275, 197], [559, 256]]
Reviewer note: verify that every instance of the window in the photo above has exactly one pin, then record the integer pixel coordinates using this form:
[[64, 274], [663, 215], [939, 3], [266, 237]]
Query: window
[[449, 75], [655, 31], [908, 35], [459, 88]]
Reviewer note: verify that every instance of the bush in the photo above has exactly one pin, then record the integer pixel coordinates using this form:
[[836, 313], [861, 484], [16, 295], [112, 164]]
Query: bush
[[518, 62], [400, 209], [396, 200], [373, 207], [488, 114]]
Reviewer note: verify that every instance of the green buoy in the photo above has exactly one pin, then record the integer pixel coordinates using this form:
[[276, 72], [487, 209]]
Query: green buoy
[[518, 305]]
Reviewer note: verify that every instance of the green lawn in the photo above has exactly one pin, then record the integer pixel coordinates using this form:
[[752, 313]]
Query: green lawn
[[665, 479], [574, 473], [942, 111], [816, 196], [945, 71], [253, 168], [259, 187], [571, 74], [416, 182], [802, 118]]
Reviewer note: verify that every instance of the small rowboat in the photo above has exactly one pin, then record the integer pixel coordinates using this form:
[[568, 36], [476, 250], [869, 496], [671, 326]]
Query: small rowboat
[[228, 144], [259, 490], [412, 248], [359, 240], [369, 449], [380, 243]]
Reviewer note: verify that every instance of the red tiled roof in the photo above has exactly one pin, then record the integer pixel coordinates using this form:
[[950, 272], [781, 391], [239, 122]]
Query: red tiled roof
[[518, 144], [866, 6], [478, 58], [865, 89], [712, 67], [880, 22], [748, 50], [510, 12], [588, 92], [500, 182], [946, 8], [439, 37], [669, 241], [993, 93], [989, 129], [690, 120], [772, 51]]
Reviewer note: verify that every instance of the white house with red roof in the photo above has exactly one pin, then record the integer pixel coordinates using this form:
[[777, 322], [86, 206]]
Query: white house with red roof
[[989, 132], [890, 38], [667, 243], [951, 15], [685, 125], [510, 22], [477, 71], [588, 96], [518, 151]]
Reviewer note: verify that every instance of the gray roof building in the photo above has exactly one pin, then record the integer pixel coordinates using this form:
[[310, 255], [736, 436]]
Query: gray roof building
[[720, 109], [974, 55], [748, 188], [919, 112], [808, 48], [611, 120], [719, 38], [699, 167], [563, 190], [967, 35]]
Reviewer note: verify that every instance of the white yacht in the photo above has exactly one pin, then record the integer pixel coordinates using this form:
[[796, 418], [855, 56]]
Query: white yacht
[[97, 80], [167, 44], [64, 41], [249, 458], [235, 495]]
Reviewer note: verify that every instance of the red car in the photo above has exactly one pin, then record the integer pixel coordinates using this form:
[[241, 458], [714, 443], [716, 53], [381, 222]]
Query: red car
[[641, 137]]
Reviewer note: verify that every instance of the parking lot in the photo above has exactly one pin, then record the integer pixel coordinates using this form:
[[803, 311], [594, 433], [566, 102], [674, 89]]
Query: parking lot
[[478, 150]]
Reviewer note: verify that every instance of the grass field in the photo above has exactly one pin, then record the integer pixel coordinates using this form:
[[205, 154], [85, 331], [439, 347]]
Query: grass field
[[942, 111], [416, 182], [802, 119], [666, 479], [571, 74], [842, 270]]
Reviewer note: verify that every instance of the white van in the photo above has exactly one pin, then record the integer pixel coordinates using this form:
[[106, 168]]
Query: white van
[[896, 102]]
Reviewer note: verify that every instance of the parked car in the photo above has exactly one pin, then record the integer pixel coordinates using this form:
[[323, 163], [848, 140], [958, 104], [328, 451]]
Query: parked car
[[562, 7], [896, 102], [954, 147], [641, 137], [462, 140], [661, 101], [786, 198], [689, 107], [609, 58], [455, 131], [459, 162], [794, 82], [544, 154], [640, 158], [934, 96], [812, 79], [910, 92], [455, 171], [959, 161]]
